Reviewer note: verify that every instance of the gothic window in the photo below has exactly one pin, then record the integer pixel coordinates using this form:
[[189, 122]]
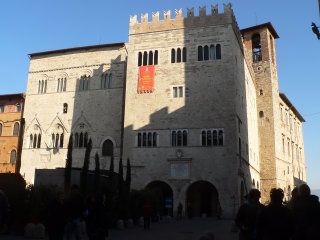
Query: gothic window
[[16, 129], [34, 141], [45, 86], [18, 107], [206, 52], [58, 86], [110, 81], [42, 86], [39, 141], [200, 53], [13, 156], [39, 86], [214, 138], [145, 59], [218, 51], [204, 142], [107, 148], [85, 140], [139, 139], [61, 140], [256, 48], [150, 58], [155, 57], [179, 138], [184, 138], [65, 84], [174, 138], [208, 138], [184, 54], [0, 129], [220, 138], [57, 140], [81, 140], [139, 59], [149, 139], [144, 139], [212, 52], [53, 137], [179, 55], [173, 55], [65, 108], [154, 139], [76, 140], [31, 141]]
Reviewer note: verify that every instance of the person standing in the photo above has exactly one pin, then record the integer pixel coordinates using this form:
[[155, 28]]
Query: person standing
[[248, 215], [275, 221], [179, 211]]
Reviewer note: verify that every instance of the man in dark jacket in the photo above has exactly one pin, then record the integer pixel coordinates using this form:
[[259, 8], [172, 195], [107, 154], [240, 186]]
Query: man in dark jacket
[[247, 216], [275, 221]]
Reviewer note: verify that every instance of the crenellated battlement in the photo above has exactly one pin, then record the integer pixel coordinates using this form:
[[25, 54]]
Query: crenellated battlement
[[144, 25]]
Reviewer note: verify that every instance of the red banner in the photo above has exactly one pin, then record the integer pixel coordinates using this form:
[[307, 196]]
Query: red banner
[[146, 79]]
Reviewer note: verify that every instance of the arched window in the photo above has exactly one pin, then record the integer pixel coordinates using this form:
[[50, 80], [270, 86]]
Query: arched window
[[85, 140], [203, 137], [173, 55], [209, 138], [76, 140], [154, 139], [214, 138], [39, 86], [149, 139], [107, 148], [145, 59], [65, 84], [184, 54], [110, 81], [179, 138], [139, 139], [35, 141], [0, 129], [57, 140], [139, 59], [65, 108], [144, 139], [13, 156], [45, 86], [18, 107], [220, 138], [206, 52], [150, 58], [103, 77], [179, 55], [155, 57], [61, 140], [58, 86], [253, 183], [81, 140], [174, 138], [218, 51], [184, 138], [42, 86], [53, 137], [200, 53], [256, 48], [261, 114], [30, 141], [212, 52], [61, 84], [16, 129], [39, 141]]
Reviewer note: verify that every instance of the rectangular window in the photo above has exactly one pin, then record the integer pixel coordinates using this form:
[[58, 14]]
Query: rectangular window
[[180, 91], [177, 92]]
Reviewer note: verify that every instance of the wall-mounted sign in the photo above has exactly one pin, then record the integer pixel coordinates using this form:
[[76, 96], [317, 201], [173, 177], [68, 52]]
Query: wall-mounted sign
[[146, 79], [179, 170]]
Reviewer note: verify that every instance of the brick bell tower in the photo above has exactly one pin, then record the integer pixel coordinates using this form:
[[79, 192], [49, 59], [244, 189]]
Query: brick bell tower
[[260, 52]]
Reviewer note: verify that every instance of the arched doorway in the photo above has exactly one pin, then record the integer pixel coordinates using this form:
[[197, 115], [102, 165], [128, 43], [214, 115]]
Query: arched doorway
[[161, 191], [204, 199]]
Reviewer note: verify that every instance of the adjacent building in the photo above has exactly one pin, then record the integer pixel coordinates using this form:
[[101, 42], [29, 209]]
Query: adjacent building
[[11, 109], [192, 101]]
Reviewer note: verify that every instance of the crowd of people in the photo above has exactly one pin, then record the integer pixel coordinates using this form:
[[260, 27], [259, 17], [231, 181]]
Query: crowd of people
[[298, 219]]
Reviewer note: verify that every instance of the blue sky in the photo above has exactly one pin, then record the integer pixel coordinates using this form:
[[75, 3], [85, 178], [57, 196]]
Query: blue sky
[[38, 25]]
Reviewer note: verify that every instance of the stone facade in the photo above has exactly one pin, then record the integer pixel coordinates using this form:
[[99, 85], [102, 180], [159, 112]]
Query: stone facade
[[199, 136], [11, 108]]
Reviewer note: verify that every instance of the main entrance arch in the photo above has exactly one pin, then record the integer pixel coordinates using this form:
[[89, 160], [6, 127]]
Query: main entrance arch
[[203, 198], [162, 191]]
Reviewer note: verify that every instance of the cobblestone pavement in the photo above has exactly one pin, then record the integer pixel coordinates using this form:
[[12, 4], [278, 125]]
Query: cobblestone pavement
[[175, 230]]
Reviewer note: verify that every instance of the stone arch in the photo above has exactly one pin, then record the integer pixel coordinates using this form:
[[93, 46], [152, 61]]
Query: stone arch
[[161, 191], [202, 198], [103, 142]]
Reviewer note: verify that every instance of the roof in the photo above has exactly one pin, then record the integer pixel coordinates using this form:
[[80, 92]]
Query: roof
[[11, 95], [290, 105], [120, 44], [268, 25]]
